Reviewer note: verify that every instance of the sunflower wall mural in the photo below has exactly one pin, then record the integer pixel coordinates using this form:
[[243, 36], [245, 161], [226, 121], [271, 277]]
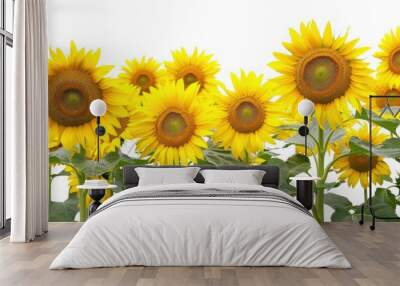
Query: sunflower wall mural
[[178, 110]]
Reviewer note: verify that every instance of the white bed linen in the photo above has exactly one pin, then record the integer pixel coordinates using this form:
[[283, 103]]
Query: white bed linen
[[219, 232]]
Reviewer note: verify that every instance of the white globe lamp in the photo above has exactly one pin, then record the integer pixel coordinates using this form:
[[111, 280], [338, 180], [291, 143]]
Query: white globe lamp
[[305, 107], [98, 107]]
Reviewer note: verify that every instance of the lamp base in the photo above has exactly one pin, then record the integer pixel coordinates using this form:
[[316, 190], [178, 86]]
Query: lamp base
[[96, 195]]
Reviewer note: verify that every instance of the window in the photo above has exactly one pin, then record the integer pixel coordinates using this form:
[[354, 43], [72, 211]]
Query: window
[[6, 43]]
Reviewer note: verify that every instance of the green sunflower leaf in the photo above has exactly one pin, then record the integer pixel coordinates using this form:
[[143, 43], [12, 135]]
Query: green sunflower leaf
[[217, 156], [389, 148], [59, 156], [332, 185], [337, 135], [341, 214], [389, 124], [63, 211], [384, 203], [337, 201], [292, 167], [341, 206]]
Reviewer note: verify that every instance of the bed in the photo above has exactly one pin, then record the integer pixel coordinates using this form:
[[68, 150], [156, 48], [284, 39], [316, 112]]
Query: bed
[[198, 224]]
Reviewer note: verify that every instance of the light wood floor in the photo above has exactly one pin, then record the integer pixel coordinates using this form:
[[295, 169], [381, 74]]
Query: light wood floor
[[375, 257]]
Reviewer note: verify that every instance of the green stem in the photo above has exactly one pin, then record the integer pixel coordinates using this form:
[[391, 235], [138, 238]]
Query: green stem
[[82, 206], [317, 142], [83, 212], [328, 168]]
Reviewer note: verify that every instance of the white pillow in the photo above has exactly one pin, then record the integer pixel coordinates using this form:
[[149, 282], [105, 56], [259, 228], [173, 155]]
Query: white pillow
[[166, 176], [248, 177]]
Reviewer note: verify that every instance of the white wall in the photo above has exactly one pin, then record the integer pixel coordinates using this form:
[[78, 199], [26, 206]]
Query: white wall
[[241, 33]]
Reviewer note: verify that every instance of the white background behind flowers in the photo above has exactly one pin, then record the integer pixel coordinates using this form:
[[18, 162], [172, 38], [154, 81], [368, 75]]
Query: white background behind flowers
[[240, 34]]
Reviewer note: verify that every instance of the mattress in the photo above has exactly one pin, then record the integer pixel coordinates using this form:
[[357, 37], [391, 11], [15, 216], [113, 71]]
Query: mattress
[[201, 225]]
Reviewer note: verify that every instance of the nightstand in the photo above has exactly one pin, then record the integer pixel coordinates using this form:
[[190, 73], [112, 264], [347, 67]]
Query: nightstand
[[96, 190], [304, 190]]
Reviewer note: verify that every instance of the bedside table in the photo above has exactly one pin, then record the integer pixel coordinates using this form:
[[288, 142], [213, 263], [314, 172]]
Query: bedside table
[[96, 193], [304, 187]]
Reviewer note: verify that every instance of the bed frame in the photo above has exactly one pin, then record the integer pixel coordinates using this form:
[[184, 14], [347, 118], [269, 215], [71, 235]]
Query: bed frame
[[270, 179]]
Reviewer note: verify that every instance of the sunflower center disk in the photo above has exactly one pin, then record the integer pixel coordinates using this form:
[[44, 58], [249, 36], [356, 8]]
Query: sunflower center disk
[[144, 81], [246, 115], [360, 163], [189, 78], [323, 75], [394, 61], [174, 128], [72, 98], [70, 93], [392, 102]]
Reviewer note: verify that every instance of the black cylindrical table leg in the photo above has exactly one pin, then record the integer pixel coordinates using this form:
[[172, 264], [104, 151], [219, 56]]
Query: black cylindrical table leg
[[96, 196], [305, 193]]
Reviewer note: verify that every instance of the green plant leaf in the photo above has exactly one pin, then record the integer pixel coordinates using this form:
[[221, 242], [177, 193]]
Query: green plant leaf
[[66, 211], [341, 206], [332, 185], [389, 148], [389, 124], [78, 157], [300, 140], [59, 156], [337, 201], [337, 135], [384, 203], [219, 157], [298, 164], [341, 214], [283, 175], [266, 155], [293, 166]]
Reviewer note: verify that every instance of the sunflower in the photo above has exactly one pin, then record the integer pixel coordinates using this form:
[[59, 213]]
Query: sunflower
[[195, 68], [383, 104], [389, 55], [171, 125], [74, 81], [325, 69], [73, 179], [354, 168], [247, 117], [143, 74]]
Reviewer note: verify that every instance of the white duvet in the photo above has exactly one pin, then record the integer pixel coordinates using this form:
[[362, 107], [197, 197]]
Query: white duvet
[[193, 231]]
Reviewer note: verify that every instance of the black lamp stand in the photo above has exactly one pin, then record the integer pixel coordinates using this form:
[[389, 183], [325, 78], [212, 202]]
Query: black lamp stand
[[100, 131], [97, 194], [305, 187], [303, 131]]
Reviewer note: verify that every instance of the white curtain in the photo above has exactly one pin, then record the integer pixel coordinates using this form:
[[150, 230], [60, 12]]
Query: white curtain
[[27, 153]]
